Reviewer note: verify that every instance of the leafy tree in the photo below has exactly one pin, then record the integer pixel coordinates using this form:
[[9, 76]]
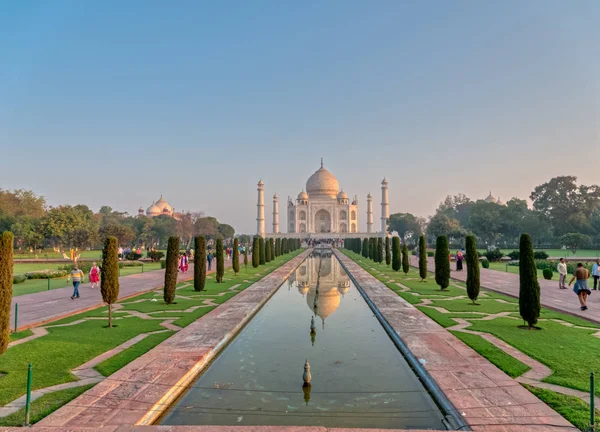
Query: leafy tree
[[388, 256], [123, 233], [365, 248], [22, 202], [472, 261], [486, 221], [405, 263], [529, 288], [199, 263], [207, 226], [405, 224], [109, 284], [6, 286], [441, 224], [236, 257], [255, 252], [379, 250], [396, 254], [575, 241], [442, 262], [262, 251], [422, 258], [220, 263], [27, 232], [171, 270], [227, 231]]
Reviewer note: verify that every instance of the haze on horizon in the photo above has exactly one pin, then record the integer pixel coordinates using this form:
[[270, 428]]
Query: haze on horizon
[[114, 103]]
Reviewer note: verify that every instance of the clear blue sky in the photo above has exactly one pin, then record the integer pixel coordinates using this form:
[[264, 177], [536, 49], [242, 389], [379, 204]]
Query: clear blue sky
[[115, 102]]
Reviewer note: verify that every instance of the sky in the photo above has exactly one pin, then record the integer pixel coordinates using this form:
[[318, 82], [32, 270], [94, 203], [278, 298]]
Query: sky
[[115, 103]]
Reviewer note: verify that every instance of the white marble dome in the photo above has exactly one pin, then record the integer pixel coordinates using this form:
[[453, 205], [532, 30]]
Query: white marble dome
[[491, 198], [302, 196], [322, 183], [342, 195], [162, 205], [153, 210]]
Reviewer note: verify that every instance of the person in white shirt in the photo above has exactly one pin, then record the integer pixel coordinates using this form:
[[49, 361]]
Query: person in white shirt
[[596, 273], [562, 271]]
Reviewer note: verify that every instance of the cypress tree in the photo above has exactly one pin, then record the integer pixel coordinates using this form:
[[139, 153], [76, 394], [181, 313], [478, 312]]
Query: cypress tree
[[396, 256], [472, 261], [268, 251], [109, 284], [220, 263], [365, 248], [255, 252], [261, 250], [170, 270], [405, 263], [372, 245], [246, 257], [236, 256], [272, 249], [379, 250], [199, 263], [529, 288], [422, 258], [283, 245], [442, 264], [6, 286], [388, 255]]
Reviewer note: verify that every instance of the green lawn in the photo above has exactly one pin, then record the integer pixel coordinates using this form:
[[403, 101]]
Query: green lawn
[[556, 253], [65, 348]]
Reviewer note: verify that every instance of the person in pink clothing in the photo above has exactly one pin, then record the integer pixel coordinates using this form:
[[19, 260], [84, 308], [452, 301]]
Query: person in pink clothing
[[94, 275]]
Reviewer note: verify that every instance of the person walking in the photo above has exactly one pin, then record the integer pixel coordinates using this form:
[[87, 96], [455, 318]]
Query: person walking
[[581, 288], [459, 261], [596, 273], [94, 275], [562, 272], [183, 263], [77, 277], [209, 258]]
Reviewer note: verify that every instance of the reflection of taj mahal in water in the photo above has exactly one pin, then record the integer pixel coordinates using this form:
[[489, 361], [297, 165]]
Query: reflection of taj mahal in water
[[323, 210], [333, 285]]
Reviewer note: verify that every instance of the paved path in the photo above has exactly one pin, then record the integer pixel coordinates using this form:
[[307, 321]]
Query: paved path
[[42, 307], [551, 296]]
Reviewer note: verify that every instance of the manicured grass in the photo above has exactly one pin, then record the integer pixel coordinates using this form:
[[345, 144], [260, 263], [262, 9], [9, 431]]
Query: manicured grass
[[113, 364], [555, 253], [445, 320], [44, 405], [573, 409], [20, 335], [511, 366]]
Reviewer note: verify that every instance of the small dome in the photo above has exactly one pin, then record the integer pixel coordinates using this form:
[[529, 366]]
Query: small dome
[[500, 202], [342, 195], [491, 198], [162, 205], [303, 195], [322, 183], [153, 210], [141, 210], [303, 288]]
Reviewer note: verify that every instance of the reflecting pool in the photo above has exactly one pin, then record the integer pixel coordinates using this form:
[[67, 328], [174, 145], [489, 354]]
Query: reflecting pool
[[359, 378]]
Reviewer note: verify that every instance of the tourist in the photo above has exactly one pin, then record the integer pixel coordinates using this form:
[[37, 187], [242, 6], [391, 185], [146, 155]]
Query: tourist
[[459, 261], [120, 252], [183, 263], [562, 272], [209, 258], [94, 275], [77, 276], [596, 273], [581, 287]]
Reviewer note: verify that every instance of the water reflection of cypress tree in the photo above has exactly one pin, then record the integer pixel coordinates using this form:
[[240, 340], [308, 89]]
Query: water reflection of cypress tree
[[306, 390]]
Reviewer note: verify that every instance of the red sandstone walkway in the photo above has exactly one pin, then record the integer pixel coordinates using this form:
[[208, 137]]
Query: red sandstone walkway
[[550, 295], [42, 307]]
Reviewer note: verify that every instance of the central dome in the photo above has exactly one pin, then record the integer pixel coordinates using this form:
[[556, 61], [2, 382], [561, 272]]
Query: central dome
[[322, 183]]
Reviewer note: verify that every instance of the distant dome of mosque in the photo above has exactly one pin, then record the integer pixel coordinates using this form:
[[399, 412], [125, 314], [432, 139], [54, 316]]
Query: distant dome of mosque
[[322, 183], [302, 196], [491, 198], [163, 205], [153, 210], [342, 195]]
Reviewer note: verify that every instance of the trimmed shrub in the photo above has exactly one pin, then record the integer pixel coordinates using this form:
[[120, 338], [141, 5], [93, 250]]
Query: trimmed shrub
[[246, 256], [547, 274], [199, 263], [485, 263], [373, 249], [388, 252], [109, 284], [132, 256], [267, 250], [255, 252], [262, 251], [171, 269], [156, 255], [442, 263], [6, 282], [271, 249], [472, 261], [19, 278], [163, 264], [529, 288], [494, 255], [379, 250], [422, 258], [540, 255], [405, 263], [236, 256], [365, 248], [430, 254], [48, 274], [514, 255], [396, 254], [220, 261]]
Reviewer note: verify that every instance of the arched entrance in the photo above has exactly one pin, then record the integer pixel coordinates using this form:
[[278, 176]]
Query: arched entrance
[[322, 221]]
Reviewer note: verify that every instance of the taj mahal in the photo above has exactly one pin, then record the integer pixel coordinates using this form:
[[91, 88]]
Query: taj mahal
[[321, 210]]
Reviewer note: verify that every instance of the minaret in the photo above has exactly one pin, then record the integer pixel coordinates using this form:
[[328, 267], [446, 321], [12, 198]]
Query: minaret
[[385, 211], [369, 213], [275, 214], [260, 210]]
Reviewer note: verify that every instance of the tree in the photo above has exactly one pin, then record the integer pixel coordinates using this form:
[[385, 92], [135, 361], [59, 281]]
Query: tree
[[486, 221], [109, 284], [236, 257], [268, 250], [246, 256], [365, 248], [123, 233], [405, 263], [199, 263], [441, 224], [255, 252], [186, 228], [422, 258], [442, 262], [405, 224], [262, 251], [472, 261], [6, 286], [171, 270], [396, 254], [575, 241], [220, 262], [227, 231], [388, 256], [207, 226], [529, 288], [379, 250], [373, 249]]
